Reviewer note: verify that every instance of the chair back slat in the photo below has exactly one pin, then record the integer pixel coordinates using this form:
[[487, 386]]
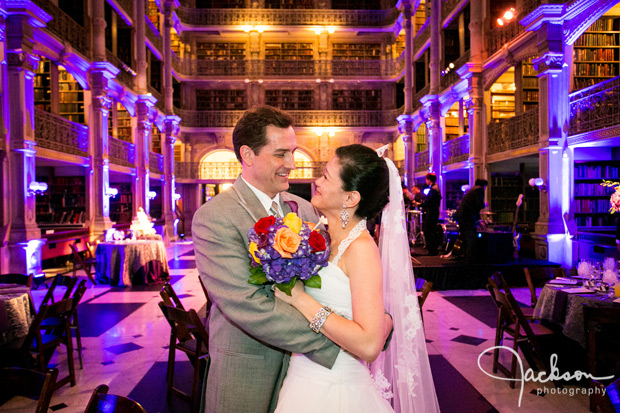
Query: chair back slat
[[181, 320], [16, 381], [101, 401]]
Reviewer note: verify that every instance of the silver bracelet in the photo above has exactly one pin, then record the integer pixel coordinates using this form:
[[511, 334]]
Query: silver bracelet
[[319, 319]]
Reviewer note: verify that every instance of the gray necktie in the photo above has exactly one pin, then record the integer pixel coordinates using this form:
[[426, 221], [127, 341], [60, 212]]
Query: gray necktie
[[274, 210]]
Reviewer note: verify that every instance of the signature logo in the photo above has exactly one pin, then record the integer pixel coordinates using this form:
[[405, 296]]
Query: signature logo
[[541, 377]]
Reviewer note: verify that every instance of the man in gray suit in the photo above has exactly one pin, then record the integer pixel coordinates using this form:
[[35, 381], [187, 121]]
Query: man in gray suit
[[251, 333]]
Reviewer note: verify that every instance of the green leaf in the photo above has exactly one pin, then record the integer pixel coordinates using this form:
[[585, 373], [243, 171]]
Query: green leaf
[[257, 276], [287, 287], [313, 282]]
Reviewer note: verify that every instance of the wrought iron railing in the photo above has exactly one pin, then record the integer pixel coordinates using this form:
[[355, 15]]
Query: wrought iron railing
[[452, 77], [124, 76], [57, 133], [66, 28], [318, 118], [157, 95], [456, 150], [422, 35], [447, 6], [230, 170], [127, 5], [156, 163], [121, 152], [501, 35], [320, 68], [513, 133], [153, 34], [287, 17], [421, 161], [595, 107], [419, 95]]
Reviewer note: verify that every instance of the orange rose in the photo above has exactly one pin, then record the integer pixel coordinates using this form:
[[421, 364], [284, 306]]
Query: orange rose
[[286, 242]]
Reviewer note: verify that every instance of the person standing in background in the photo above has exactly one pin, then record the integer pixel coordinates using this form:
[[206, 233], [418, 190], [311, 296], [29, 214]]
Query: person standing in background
[[431, 217], [468, 217]]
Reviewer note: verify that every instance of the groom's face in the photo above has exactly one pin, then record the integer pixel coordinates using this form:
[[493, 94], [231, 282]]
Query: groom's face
[[268, 170]]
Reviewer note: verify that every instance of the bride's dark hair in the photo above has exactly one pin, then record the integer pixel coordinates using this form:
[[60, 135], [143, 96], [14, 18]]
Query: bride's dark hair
[[362, 170]]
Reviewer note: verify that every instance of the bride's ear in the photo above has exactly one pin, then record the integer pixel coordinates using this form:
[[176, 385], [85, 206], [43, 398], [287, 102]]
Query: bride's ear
[[353, 199]]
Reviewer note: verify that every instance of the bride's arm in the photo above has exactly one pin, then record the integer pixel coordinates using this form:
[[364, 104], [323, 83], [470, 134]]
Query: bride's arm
[[363, 336]]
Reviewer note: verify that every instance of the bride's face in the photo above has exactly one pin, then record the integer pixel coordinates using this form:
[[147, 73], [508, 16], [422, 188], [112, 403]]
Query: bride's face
[[329, 194]]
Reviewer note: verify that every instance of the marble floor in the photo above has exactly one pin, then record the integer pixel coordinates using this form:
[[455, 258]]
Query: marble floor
[[125, 340]]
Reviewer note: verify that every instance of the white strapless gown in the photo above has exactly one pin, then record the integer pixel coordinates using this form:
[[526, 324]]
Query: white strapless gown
[[347, 386]]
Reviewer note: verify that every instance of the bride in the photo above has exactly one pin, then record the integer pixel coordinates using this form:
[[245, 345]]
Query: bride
[[357, 285]]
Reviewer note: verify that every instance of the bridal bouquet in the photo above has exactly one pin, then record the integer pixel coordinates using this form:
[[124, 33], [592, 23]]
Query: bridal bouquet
[[614, 200], [283, 250]]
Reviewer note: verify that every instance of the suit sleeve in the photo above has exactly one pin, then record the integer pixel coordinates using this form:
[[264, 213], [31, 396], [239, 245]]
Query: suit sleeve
[[223, 263]]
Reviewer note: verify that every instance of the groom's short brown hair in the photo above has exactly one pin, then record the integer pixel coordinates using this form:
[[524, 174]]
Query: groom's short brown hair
[[250, 129]]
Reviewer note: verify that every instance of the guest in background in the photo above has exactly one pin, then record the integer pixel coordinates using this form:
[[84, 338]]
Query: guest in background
[[468, 216], [431, 216]]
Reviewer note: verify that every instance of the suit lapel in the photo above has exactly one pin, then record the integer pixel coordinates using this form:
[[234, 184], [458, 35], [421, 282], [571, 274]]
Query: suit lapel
[[248, 200]]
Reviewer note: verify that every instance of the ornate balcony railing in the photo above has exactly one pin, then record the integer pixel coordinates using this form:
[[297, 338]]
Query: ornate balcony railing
[[230, 170], [66, 28], [456, 150], [422, 35], [452, 77], [421, 161], [157, 95], [152, 34], [308, 118], [320, 68], [419, 95], [595, 107], [156, 163], [501, 35], [287, 17], [123, 76], [58, 134], [514, 133], [127, 5], [447, 6], [121, 152]]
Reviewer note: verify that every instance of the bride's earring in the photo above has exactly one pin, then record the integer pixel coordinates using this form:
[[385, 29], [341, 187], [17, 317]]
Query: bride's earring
[[344, 216]]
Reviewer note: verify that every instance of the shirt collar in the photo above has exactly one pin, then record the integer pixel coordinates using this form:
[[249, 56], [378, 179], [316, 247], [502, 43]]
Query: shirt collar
[[263, 198]]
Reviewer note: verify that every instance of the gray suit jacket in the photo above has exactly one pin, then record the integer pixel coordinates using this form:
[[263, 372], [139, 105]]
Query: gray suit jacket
[[250, 333]]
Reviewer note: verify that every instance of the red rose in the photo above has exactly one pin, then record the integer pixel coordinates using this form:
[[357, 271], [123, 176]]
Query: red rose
[[316, 241], [263, 224]]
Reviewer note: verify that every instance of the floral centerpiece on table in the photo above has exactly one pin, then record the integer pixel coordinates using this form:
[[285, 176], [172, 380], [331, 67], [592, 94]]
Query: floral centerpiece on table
[[614, 200], [283, 250]]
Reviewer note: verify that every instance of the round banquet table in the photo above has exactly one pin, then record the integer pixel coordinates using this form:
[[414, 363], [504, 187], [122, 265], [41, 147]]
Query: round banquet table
[[15, 312], [566, 309], [131, 263]]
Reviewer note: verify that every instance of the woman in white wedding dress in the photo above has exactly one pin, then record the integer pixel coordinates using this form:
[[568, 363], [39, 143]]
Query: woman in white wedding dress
[[349, 306]]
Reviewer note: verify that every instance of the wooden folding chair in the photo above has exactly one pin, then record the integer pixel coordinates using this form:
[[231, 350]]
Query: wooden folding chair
[[511, 321], [539, 276], [16, 381], [102, 402], [196, 349], [498, 278], [59, 281], [79, 263], [602, 327], [426, 289]]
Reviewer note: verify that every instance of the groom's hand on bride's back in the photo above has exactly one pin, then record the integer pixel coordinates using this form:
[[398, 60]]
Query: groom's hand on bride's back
[[389, 329]]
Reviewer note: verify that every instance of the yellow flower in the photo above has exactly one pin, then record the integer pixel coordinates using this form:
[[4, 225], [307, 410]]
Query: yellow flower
[[253, 249], [292, 221]]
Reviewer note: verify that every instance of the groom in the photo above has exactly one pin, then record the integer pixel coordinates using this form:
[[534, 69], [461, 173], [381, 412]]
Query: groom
[[251, 333]]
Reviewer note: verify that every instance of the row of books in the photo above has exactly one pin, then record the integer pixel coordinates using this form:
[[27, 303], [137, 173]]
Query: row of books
[[530, 82], [592, 205], [592, 190], [68, 180], [602, 25], [69, 217], [594, 54], [598, 221], [596, 171], [588, 39], [593, 69], [531, 95]]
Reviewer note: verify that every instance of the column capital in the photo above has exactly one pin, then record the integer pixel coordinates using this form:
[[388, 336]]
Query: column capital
[[147, 99], [549, 63], [36, 16], [20, 59], [405, 125], [106, 69]]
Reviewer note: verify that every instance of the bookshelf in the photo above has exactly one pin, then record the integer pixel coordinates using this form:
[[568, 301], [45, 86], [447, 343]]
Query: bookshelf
[[505, 190], [355, 99], [123, 123], [454, 194], [592, 199], [221, 99], [421, 138], [175, 42], [155, 139], [356, 51], [153, 13], [155, 204], [596, 54], [399, 45], [64, 203], [71, 96], [43, 86], [220, 51], [121, 206], [289, 4], [529, 85], [290, 99], [288, 51]]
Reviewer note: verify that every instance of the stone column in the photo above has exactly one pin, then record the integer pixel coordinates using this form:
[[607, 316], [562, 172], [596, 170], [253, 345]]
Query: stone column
[[167, 56], [171, 130], [553, 79], [101, 74], [142, 140], [405, 124], [140, 42], [24, 237]]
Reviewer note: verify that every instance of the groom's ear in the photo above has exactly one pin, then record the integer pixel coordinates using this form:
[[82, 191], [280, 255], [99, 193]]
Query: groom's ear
[[247, 155]]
